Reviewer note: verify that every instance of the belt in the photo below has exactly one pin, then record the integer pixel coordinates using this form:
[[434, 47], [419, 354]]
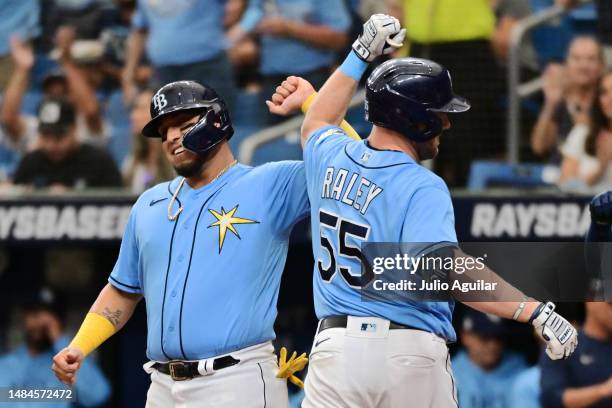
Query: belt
[[187, 370], [341, 321]]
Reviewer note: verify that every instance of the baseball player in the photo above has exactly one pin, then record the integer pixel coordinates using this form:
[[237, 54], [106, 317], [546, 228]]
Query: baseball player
[[392, 353], [206, 250]]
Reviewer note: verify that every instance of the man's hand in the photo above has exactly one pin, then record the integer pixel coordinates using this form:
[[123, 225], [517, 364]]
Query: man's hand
[[22, 54], [290, 96], [382, 34], [63, 40], [559, 335], [553, 87], [274, 26], [601, 208], [66, 363]]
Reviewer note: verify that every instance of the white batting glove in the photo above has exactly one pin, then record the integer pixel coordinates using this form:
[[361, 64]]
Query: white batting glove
[[382, 34], [559, 335]]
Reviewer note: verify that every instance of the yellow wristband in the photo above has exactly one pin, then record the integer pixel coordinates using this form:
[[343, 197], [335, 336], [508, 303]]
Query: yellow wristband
[[95, 330], [348, 129]]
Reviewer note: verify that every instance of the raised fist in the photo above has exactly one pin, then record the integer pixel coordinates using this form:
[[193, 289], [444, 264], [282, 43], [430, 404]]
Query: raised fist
[[382, 34]]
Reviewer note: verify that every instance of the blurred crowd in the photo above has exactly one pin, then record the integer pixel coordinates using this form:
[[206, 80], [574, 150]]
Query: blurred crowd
[[75, 76]]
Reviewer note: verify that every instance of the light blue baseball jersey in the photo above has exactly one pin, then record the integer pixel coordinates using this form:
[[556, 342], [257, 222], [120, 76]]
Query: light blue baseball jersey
[[211, 278], [359, 194], [477, 388]]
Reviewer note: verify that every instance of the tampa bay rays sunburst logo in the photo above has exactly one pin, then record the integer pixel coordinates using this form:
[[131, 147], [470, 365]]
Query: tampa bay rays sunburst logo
[[226, 221]]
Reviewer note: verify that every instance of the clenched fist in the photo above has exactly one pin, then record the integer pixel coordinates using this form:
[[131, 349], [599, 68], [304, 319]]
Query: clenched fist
[[66, 363], [290, 95], [559, 335], [382, 34]]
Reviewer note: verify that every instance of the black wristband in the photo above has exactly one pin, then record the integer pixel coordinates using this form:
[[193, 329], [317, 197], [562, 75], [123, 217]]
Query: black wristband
[[536, 312]]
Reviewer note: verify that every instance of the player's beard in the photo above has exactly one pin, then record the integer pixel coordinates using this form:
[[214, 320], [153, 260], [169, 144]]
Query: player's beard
[[194, 167], [38, 339], [427, 150], [190, 168]]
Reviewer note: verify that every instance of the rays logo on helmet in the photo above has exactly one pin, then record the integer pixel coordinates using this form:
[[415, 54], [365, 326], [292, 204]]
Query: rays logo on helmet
[[159, 101]]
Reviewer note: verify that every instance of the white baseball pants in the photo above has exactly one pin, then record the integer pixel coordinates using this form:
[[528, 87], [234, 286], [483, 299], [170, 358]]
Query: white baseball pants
[[367, 365], [252, 383]]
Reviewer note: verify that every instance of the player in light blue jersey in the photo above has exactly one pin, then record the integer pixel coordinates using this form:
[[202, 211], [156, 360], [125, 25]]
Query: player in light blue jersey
[[388, 352], [206, 250]]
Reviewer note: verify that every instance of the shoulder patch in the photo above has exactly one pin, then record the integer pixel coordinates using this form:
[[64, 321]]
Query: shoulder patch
[[328, 133]]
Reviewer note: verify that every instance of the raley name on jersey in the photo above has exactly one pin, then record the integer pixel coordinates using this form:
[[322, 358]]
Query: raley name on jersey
[[349, 188]]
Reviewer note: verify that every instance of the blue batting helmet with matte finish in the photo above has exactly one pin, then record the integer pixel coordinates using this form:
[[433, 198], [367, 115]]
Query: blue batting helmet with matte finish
[[405, 94], [214, 125]]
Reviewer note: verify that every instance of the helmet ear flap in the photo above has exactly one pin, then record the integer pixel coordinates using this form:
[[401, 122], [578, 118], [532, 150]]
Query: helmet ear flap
[[206, 133], [408, 118]]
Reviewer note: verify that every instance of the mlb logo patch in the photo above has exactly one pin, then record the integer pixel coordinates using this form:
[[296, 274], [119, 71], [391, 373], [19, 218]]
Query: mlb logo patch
[[368, 327], [365, 157]]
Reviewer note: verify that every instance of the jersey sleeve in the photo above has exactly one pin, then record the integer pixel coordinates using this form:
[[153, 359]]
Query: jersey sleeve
[[126, 275], [322, 144], [430, 217], [286, 195]]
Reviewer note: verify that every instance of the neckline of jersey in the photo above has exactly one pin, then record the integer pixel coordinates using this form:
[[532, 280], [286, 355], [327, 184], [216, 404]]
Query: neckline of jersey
[[369, 146], [197, 191]]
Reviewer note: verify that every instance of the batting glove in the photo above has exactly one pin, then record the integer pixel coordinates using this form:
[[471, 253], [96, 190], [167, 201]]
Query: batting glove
[[287, 369], [559, 335], [601, 208], [382, 34]]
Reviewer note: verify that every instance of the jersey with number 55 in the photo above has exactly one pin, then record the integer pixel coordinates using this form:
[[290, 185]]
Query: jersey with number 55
[[359, 195]]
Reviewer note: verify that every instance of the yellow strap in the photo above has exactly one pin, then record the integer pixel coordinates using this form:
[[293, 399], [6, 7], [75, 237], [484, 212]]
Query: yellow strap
[[95, 330], [348, 129]]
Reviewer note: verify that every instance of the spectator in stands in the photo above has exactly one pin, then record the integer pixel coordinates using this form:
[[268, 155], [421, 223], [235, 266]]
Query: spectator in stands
[[17, 132], [87, 17], [300, 37], [28, 366], [484, 370], [463, 45], [604, 24], [587, 152], [62, 161], [584, 379], [525, 392], [184, 40], [77, 80], [568, 94], [147, 165], [17, 17], [509, 13], [82, 64]]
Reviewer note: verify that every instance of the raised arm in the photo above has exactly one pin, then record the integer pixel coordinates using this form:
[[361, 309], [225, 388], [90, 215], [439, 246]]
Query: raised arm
[[83, 94], [23, 56], [109, 313], [544, 134], [295, 94], [381, 35], [134, 51]]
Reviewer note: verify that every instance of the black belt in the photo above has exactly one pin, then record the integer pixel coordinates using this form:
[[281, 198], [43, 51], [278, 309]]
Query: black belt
[[186, 370], [340, 321]]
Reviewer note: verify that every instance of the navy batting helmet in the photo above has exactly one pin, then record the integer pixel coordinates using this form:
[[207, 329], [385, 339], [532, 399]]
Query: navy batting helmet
[[214, 125], [405, 94]]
